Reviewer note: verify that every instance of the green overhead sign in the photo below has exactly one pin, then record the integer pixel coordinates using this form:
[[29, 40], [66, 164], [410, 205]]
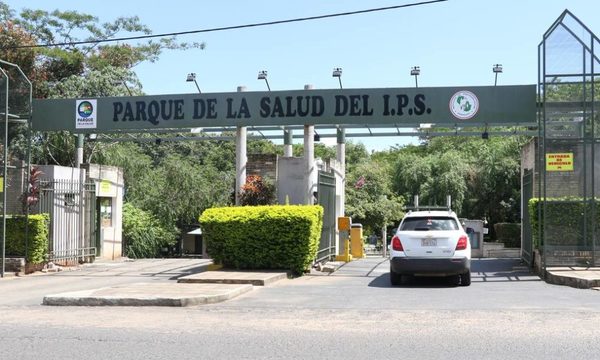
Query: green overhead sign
[[393, 106]]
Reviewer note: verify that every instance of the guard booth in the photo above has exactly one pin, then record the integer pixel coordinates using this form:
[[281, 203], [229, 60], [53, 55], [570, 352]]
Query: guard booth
[[109, 185], [475, 231], [192, 243]]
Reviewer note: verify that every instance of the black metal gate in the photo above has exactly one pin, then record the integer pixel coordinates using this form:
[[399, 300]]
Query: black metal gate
[[326, 198], [526, 238]]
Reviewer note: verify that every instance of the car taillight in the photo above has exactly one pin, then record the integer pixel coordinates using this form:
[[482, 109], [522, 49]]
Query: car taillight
[[462, 243], [396, 244]]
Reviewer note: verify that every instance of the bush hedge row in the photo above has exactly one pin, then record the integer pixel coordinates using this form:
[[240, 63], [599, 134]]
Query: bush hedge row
[[263, 237], [38, 237], [509, 234], [564, 219]]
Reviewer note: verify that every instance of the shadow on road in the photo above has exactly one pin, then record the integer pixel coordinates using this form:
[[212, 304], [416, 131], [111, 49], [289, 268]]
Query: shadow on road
[[168, 269], [482, 271], [383, 281]]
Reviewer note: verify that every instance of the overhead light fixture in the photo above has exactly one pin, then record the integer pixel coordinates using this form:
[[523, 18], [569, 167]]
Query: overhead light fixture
[[497, 69], [415, 71], [191, 77], [262, 75], [337, 72]]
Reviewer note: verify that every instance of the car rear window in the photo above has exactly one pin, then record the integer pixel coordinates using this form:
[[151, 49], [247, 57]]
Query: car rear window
[[429, 223]]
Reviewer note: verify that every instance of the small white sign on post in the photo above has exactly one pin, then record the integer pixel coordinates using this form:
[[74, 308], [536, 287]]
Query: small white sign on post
[[86, 114]]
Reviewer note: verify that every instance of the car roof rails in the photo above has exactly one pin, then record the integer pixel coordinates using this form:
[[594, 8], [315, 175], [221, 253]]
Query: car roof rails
[[427, 208], [418, 207]]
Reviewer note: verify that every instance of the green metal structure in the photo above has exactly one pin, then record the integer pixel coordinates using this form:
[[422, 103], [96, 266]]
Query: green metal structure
[[15, 115], [569, 134]]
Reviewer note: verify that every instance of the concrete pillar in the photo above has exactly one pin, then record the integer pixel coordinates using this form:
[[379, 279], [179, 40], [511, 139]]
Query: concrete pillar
[[79, 154], [341, 159], [309, 158], [287, 143], [241, 157]]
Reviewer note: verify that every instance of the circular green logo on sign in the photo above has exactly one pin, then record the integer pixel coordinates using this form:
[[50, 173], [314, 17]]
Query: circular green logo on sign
[[85, 109], [464, 105]]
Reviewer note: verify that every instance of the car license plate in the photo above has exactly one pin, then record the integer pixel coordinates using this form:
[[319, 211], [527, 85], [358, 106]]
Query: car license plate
[[428, 242]]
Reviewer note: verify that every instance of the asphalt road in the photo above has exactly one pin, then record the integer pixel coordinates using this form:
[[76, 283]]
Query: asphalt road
[[353, 313]]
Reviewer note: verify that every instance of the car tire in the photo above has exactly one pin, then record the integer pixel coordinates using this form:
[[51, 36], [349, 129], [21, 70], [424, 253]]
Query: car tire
[[465, 279], [395, 278], [454, 280]]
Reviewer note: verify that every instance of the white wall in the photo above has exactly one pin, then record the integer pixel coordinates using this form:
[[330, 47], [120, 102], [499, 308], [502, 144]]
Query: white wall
[[291, 180]]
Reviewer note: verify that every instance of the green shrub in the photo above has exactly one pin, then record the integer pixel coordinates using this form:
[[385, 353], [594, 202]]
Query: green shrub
[[38, 237], [263, 237], [509, 234], [257, 191], [564, 219], [143, 233]]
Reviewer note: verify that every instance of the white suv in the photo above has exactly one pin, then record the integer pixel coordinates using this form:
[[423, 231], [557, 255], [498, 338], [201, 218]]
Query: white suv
[[430, 243]]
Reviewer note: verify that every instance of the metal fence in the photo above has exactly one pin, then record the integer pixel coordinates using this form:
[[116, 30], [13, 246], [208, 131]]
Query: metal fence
[[71, 205], [526, 234], [569, 143], [326, 198], [15, 111]]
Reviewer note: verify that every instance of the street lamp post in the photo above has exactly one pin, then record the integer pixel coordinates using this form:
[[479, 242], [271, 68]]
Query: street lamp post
[[262, 75], [287, 132], [496, 69], [340, 155], [415, 71], [337, 72], [192, 77]]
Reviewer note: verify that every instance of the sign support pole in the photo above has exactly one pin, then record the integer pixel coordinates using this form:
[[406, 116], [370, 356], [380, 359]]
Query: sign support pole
[[241, 157]]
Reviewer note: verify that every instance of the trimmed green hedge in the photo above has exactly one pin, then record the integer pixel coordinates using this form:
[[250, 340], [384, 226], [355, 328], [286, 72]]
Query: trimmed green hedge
[[263, 237], [565, 221], [509, 234], [38, 237]]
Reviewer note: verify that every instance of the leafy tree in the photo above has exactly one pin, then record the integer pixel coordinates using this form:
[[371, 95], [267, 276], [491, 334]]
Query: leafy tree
[[176, 188], [369, 196], [63, 69], [482, 176], [143, 234], [494, 181]]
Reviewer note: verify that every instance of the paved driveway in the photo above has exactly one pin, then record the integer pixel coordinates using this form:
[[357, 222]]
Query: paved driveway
[[361, 284], [364, 284], [31, 289], [353, 313]]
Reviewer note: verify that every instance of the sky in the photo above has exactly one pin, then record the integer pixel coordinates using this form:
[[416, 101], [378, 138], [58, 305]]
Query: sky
[[455, 43]]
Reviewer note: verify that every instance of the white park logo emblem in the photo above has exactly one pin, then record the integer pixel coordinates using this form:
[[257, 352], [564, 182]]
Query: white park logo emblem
[[464, 105]]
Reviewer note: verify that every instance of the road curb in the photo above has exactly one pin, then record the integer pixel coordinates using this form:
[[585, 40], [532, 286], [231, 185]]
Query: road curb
[[256, 278], [149, 294], [572, 278]]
